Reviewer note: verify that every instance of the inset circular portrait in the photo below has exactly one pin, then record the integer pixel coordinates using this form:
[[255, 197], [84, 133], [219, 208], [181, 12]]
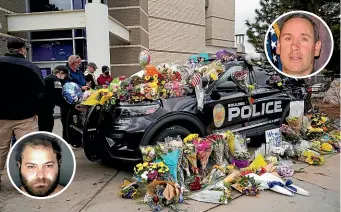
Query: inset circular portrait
[[41, 165], [299, 44]]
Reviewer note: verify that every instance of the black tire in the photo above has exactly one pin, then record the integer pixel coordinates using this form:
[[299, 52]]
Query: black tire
[[172, 131]]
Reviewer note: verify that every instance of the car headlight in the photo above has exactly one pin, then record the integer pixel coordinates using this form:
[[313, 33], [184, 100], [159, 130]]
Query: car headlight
[[136, 110]]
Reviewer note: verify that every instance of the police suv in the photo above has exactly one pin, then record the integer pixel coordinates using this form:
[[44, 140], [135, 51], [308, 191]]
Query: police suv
[[116, 132]]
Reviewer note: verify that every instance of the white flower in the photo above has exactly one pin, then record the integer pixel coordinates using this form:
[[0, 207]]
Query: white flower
[[144, 175]]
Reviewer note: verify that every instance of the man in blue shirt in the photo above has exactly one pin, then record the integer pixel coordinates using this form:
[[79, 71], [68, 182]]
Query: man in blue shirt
[[77, 76]]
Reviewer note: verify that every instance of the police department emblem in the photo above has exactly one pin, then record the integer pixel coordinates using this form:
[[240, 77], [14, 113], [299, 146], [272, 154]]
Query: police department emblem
[[218, 115]]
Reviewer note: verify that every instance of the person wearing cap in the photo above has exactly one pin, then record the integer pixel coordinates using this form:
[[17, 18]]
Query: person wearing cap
[[22, 92], [52, 96], [89, 75], [104, 79]]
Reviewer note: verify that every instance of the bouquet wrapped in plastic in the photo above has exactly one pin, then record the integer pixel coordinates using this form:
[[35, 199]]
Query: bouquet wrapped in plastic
[[190, 152], [218, 147], [204, 150], [148, 153], [129, 190], [289, 134], [170, 158], [295, 123]]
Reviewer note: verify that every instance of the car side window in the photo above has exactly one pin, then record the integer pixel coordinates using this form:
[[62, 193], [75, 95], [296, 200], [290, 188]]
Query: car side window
[[228, 73], [261, 77]]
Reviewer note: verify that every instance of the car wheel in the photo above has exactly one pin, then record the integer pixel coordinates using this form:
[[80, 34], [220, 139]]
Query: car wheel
[[173, 131]]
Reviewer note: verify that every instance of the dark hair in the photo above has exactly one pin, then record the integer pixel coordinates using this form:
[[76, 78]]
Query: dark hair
[[38, 140], [303, 16]]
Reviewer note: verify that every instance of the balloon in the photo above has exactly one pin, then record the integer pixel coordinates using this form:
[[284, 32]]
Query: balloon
[[151, 70], [144, 58], [72, 93]]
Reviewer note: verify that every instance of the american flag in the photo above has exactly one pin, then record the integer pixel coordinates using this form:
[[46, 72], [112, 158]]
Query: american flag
[[195, 80], [271, 45]]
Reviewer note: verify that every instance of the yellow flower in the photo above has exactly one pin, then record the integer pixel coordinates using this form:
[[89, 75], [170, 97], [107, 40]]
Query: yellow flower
[[161, 164], [154, 166], [326, 147], [163, 82], [279, 84], [139, 165], [190, 137], [148, 149], [309, 160], [140, 169], [147, 78], [145, 164], [213, 76]]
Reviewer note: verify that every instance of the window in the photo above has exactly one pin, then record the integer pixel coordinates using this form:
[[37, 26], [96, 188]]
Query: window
[[49, 5], [79, 4], [51, 34], [51, 50], [80, 33], [80, 48], [261, 77]]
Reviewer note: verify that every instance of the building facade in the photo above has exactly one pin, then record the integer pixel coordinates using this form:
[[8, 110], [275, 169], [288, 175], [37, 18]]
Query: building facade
[[172, 30]]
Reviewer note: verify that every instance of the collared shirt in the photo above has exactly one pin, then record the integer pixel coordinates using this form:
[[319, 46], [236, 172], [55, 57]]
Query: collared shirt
[[76, 77]]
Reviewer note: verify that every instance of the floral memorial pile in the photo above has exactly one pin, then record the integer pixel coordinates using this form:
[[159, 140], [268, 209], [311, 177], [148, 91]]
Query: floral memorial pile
[[211, 168]]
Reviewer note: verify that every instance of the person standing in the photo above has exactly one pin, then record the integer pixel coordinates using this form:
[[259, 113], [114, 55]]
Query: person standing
[[53, 96], [22, 92], [90, 76], [104, 78], [77, 76]]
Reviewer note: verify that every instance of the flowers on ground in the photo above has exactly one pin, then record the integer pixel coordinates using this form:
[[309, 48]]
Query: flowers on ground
[[147, 172]]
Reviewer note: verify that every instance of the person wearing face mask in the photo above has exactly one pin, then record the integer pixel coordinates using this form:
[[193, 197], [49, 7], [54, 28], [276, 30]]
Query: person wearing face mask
[[52, 96], [105, 78], [22, 91]]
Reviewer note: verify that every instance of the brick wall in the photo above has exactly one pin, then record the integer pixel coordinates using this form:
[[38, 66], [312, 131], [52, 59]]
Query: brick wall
[[134, 15], [16, 6], [220, 21], [177, 29]]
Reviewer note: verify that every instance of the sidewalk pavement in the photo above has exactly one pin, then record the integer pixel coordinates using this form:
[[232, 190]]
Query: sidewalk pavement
[[95, 188]]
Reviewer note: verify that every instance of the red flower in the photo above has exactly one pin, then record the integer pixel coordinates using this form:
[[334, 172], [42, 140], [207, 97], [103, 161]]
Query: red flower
[[195, 186]]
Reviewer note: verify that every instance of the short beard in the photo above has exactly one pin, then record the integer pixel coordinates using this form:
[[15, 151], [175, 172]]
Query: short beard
[[52, 187]]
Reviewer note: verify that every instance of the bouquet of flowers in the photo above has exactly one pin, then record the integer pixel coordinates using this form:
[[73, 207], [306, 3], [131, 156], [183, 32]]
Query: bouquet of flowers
[[295, 123], [170, 157], [312, 158], [247, 186], [314, 132], [191, 154], [319, 120], [218, 147], [129, 190], [147, 172], [162, 194], [148, 153], [289, 134], [240, 78], [173, 144], [335, 139], [229, 144], [204, 150], [241, 159], [322, 148], [275, 81]]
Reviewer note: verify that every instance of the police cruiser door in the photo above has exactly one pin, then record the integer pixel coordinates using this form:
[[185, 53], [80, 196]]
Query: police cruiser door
[[226, 105]]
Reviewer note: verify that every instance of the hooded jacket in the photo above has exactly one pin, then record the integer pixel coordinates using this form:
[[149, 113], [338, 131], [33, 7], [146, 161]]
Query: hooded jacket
[[22, 87]]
